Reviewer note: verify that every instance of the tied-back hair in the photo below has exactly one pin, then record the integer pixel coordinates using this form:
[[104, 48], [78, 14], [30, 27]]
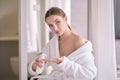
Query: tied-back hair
[[55, 11]]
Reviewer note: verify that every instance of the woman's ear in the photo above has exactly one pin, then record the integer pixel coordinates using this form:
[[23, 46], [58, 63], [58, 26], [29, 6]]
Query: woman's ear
[[66, 18]]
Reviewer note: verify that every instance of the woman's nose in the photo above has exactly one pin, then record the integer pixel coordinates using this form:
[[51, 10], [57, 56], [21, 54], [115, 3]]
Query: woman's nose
[[55, 28]]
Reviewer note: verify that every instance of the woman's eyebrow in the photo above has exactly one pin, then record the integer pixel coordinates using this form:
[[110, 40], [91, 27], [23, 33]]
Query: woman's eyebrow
[[56, 20]]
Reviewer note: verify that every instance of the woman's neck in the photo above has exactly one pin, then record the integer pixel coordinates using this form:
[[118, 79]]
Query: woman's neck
[[66, 34]]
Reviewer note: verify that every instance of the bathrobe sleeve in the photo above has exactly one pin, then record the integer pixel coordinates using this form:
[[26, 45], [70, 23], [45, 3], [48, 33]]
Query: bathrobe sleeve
[[80, 69]]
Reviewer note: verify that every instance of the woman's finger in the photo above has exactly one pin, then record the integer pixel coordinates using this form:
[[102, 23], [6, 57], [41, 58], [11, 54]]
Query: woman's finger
[[40, 54], [40, 64], [51, 60], [55, 60]]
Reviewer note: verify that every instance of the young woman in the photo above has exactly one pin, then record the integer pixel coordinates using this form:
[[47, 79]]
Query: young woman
[[68, 53]]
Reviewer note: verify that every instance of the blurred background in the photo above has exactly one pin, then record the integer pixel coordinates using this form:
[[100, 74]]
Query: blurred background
[[96, 20]]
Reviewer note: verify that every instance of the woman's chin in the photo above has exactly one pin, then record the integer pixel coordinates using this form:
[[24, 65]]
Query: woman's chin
[[58, 34]]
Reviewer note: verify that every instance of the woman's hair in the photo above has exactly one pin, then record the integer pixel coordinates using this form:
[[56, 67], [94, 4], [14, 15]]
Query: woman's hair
[[55, 11]]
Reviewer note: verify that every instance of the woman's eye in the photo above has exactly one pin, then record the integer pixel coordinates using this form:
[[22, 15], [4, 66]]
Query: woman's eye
[[57, 22]]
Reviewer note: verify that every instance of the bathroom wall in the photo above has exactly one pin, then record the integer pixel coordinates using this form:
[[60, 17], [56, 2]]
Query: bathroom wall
[[9, 25], [7, 49], [8, 18], [8, 37]]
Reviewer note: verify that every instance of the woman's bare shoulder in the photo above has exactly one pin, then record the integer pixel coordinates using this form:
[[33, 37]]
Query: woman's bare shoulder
[[79, 41]]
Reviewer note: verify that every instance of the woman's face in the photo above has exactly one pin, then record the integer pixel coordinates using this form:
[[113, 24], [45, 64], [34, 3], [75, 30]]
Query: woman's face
[[57, 24]]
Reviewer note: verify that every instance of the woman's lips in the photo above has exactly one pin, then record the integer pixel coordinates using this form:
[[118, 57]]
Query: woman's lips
[[57, 32]]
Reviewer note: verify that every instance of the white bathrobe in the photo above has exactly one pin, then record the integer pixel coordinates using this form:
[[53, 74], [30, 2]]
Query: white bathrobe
[[79, 65]]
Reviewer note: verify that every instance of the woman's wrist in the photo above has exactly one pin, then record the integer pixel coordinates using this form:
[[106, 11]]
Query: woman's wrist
[[59, 60]]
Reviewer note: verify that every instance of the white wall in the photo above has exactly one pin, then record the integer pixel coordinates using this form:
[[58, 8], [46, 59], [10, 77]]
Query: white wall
[[79, 17], [101, 33]]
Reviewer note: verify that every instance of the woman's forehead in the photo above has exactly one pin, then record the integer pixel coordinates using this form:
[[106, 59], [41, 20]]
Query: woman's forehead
[[53, 18]]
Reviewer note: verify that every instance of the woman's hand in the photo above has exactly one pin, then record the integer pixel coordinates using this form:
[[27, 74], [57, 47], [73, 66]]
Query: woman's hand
[[39, 61], [55, 60]]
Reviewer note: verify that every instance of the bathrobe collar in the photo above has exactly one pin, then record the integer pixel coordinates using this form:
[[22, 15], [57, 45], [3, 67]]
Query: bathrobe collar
[[86, 47]]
